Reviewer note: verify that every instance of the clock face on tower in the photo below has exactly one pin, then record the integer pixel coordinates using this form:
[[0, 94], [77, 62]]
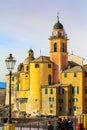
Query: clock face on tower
[[54, 33]]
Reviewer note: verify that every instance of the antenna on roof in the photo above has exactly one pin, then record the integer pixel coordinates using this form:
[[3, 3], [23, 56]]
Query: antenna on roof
[[57, 16], [40, 52]]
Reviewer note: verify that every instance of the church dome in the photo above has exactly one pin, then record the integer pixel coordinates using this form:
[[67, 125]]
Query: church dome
[[30, 57], [58, 25]]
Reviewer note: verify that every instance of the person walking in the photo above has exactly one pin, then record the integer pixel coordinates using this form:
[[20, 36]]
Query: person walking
[[58, 124], [70, 124], [65, 124], [50, 126]]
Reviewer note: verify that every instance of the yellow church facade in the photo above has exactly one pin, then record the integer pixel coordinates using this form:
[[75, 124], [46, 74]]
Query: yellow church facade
[[54, 85]]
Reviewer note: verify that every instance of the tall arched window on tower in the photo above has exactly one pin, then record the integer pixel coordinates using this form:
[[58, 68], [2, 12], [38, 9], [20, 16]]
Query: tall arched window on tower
[[55, 47], [63, 49], [49, 79], [27, 68]]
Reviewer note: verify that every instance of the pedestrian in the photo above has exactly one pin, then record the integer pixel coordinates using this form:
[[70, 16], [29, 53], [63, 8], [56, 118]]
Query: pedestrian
[[65, 124], [57, 126], [50, 126], [70, 124]]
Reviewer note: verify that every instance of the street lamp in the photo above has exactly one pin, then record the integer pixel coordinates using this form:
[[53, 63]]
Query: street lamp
[[10, 63]]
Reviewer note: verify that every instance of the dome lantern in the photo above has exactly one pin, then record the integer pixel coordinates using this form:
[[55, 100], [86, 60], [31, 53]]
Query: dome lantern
[[58, 25], [30, 57]]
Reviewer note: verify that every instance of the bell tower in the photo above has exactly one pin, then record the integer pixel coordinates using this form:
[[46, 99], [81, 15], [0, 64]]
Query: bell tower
[[58, 50]]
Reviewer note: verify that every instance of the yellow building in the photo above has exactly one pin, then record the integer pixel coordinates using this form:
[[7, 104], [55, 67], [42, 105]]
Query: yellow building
[[55, 85], [76, 75]]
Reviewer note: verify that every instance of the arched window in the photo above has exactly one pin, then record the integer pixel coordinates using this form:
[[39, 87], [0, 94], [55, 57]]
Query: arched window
[[26, 68], [49, 79], [55, 47], [63, 49]]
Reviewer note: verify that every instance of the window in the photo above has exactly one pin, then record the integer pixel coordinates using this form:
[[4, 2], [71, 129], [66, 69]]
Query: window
[[17, 87], [46, 91], [75, 99], [86, 90], [12, 78], [55, 47], [51, 91], [60, 100], [63, 47], [26, 68], [49, 65], [65, 75], [60, 108], [74, 108], [51, 105], [85, 74], [85, 100], [49, 79], [51, 99], [26, 76], [61, 90], [51, 111], [75, 74], [75, 90], [36, 65], [23, 100]]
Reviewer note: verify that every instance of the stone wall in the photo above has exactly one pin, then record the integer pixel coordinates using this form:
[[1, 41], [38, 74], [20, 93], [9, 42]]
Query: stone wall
[[2, 96]]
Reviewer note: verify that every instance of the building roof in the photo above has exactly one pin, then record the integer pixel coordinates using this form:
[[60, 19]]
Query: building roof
[[28, 60], [42, 59], [58, 25], [76, 59], [30, 57], [3, 85], [56, 85], [74, 69]]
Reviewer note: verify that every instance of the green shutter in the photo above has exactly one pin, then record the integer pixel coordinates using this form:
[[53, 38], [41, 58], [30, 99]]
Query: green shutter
[[51, 111], [65, 75], [74, 108], [17, 88], [37, 65], [52, 99], [49, 99], [51, 105], [46, 91], [77, 90], [76, 99], [51, 91], [75, 74], [12, 78]]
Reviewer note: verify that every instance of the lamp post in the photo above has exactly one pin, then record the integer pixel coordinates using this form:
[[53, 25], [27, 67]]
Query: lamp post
[[10, 63]]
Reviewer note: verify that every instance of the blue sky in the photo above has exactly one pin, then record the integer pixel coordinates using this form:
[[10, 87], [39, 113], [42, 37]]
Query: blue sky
[[26, 24]]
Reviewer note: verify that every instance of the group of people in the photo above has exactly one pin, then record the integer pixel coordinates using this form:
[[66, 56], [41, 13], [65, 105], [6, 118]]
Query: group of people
[[61, 124]]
